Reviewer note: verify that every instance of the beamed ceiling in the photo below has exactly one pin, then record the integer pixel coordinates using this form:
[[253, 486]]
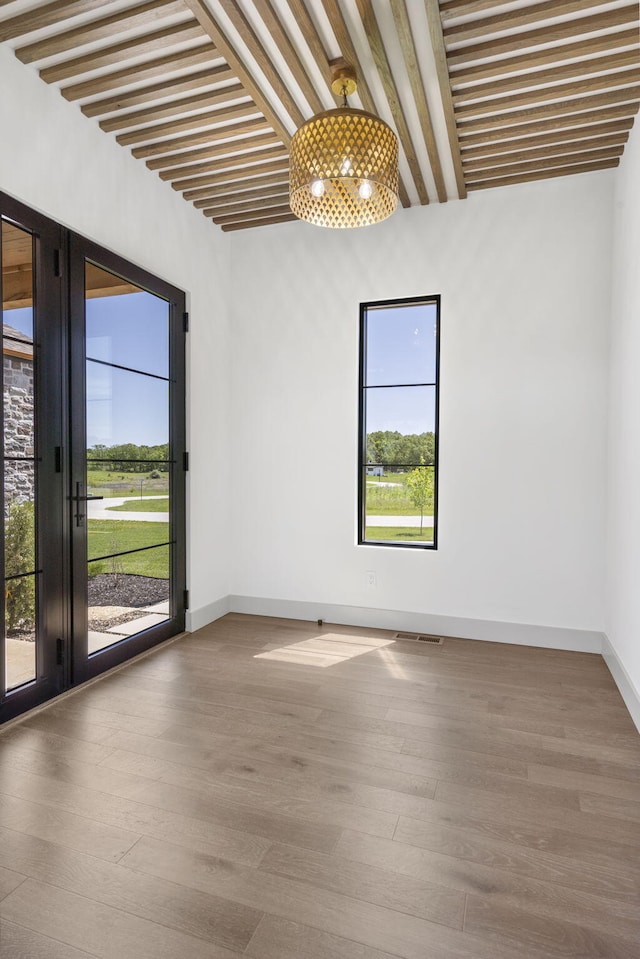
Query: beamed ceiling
[[208, 93]]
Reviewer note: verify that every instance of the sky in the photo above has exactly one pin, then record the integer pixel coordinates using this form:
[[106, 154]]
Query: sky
[[129, 330], [401, 349]]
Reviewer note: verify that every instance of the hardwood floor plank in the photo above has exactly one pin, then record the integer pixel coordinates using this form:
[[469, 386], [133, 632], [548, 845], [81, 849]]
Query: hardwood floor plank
[[378, 886], [617, 808], [52, 744], [277, 938], [504, 888], [9, 880], [101, 930], [557, 939], [538, 864], [19, 942], [584, 782]]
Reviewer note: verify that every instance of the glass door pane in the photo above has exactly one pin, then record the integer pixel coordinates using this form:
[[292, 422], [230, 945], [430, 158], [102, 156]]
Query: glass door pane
[[21, 586], [127, 468]]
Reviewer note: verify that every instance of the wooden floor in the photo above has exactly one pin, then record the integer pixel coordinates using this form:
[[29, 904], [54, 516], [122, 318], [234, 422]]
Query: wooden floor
[[349, 798]]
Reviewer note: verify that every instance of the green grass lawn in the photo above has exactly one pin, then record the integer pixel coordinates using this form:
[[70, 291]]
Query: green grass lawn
[[389, 500], [113, 536], [111, 483], [401, 534], [143, 506]]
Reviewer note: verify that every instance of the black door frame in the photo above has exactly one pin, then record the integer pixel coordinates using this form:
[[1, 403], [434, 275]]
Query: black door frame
[[59, 257]]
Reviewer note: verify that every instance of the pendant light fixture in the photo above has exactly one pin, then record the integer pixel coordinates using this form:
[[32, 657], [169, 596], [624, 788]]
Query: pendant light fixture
[[343, 167]]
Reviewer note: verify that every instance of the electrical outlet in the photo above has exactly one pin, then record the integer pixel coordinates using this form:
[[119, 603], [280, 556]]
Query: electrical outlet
[[371, 578]]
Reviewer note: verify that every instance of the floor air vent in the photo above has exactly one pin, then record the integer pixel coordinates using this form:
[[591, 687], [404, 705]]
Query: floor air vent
[[420, 638]]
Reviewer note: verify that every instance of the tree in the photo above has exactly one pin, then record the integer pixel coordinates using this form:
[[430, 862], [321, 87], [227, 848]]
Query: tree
[[420, 486]]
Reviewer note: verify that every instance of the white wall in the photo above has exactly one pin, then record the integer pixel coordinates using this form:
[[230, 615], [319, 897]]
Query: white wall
[[57, 161], [524, 274], [623, 612]]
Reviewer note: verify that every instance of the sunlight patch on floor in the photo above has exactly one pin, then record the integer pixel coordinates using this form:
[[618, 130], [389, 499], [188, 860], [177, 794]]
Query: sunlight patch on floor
[[327, 649]]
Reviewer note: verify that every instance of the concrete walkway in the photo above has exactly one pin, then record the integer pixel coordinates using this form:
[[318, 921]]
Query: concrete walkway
[[103, 509]]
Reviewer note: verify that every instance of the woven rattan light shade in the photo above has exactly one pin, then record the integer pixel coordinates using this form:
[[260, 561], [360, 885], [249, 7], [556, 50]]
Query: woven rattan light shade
[[343, 169]]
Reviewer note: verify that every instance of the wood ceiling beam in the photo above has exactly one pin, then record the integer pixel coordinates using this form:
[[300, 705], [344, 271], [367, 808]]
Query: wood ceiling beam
[[538, 58], [229, 169], [333, 10], [556, 156], [311, 36], [440, 56], [158, 91], [623, 79], [630, 96], [228, 148], [236, 179], [264, 221], [121, 52], [449, 9], [172, 109], [626, 58], [522, 17], [285, 45], [606, 114], [554, 33], [207, 137], [275, 210], [379, 53], [276, 198], [407, 45], [233, 192], [231, 112], [159, 67], [47, 16], [617, 131], [572, 170], [143, 15], [190, 173], [202, 13]]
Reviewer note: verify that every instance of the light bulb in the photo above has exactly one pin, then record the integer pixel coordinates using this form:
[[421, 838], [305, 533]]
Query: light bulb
[[365, 190], [345, 169], [317, 188]]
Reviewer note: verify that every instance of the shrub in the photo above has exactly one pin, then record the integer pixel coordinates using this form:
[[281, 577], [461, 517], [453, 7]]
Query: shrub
[[19, 541]]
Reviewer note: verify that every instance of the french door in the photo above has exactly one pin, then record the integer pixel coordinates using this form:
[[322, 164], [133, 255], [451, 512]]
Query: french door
[[93, 545]]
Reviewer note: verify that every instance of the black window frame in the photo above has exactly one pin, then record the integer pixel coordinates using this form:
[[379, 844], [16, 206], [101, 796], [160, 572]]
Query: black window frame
[[433, 299]]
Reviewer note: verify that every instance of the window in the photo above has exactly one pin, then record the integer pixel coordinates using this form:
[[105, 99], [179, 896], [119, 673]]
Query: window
[[398, 459]]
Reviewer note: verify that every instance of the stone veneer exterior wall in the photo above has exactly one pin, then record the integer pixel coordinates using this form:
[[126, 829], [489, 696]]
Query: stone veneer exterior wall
[[19, 437]]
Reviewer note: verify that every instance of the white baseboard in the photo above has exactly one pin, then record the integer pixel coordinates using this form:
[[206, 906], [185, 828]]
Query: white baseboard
[[197, 618], [622, 680], [521, 634]]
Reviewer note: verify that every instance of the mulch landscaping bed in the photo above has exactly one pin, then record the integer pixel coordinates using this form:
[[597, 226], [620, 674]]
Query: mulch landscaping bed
[[125, 589]]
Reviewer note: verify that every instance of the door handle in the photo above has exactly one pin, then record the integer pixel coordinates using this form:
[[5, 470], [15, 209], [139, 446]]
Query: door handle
[[81, 498]]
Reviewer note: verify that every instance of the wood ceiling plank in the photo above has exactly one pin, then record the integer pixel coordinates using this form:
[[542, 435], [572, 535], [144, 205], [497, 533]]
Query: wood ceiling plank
[[311, 36], [248, 206], [521, 17], [615, 61], [625, 78], [629, 95], [158, 67], [544, 174], [555, 155], [275, 210], [232, 194], [158, 91], [213, 30], [449, 9], [286, 47], [228, 148], [180, 171], [236, 179], [264, 221], [615, 131], [188, 123], [539, 58], [142, 15], [407, 45], [333, 10], [379, 53], [172, 109], [207, 137], [121, 52], [553, 33], [47, 16], [440, 56], [231, 168], [604, 115]]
